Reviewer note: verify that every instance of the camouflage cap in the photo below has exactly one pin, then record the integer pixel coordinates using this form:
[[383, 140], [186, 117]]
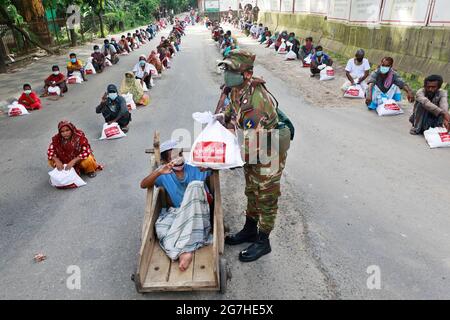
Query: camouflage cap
[[239, 60]]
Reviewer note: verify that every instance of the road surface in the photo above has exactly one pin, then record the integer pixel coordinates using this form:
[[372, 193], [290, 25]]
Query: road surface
[[358, 191]]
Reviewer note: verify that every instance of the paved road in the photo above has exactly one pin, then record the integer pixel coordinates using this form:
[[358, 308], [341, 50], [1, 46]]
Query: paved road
[[357, 191]]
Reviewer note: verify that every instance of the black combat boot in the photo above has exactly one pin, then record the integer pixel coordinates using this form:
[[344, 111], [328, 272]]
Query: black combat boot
[[248, 234], [257, 249]]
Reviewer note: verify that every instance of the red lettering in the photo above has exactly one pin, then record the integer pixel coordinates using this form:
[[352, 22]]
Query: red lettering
[[445, 137], [110, 132], [210, 152], [15, 112]]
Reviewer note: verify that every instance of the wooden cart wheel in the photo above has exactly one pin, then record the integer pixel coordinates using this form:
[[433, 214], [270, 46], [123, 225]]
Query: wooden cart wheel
[[223, 275]]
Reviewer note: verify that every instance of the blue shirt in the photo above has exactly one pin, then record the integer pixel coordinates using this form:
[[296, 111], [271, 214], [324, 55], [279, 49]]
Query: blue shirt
[[176, 187], [325, 59]]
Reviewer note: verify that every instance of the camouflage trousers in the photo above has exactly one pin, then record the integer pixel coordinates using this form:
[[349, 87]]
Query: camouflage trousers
[[263, 190]]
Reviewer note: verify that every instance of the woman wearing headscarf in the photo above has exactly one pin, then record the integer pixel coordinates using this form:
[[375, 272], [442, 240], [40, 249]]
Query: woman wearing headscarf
[[154, 60], [132, 85], [113, 107], [70, 147]]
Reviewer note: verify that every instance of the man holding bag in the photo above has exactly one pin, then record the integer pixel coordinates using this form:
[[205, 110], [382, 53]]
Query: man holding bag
[[256, 112]]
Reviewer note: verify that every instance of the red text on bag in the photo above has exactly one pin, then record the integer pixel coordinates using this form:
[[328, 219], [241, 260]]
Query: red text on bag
[[330, 72], [110, 132], [15, 112], [445, 137], [353, 92], [392, 106], [210, 152]]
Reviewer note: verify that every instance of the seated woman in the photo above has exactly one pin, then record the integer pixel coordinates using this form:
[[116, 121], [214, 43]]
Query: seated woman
[[55, 79], [385, 83], [114, 108], [154, 60], [319, 58], [132, 85], [29, 99], [70, 147], [185, 226]]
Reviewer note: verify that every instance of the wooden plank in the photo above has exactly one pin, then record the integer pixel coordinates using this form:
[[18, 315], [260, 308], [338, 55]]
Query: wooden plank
[[178, 278], [218, 213], [204, 265], [188, 286], [152, 150], [146, 250], [159, 267]]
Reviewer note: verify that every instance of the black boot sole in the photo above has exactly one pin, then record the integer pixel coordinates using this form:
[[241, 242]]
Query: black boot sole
[[254, 258], [230, 242]]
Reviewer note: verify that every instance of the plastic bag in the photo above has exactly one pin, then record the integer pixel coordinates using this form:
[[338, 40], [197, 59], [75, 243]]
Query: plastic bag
[[307, 61], [90, 68], [291, 56], [112, 131], [282, 49], [355, 92], [215, 147], [326, 74], [131, 105], [16, 109], [272, 46], [437, 137], [144, 87], [389, 107], [54, 91], [75, 78], [65, 179]]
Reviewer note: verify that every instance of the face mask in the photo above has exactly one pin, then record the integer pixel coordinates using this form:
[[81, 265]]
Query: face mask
[[384, 70], [233, 79], [106, 46], [319, 53], [55, 73], [27, 91], [97, 50], [178, 164], [73, 60], [112, 95]]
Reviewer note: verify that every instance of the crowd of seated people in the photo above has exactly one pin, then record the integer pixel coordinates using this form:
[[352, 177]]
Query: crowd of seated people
[[378, 83]]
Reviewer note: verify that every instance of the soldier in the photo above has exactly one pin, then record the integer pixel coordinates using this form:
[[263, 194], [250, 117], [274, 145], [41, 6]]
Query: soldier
[[256, 111]]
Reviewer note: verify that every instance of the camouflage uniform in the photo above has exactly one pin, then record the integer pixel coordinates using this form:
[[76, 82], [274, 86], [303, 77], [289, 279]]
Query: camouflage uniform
[[256, 111]]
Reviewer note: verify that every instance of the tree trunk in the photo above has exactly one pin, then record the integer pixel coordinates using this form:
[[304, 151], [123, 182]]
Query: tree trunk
[[33, 13], [4, 14], [73, 37], [102, 29]]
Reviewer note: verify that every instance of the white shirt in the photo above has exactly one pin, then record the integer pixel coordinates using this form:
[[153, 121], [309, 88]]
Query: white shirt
[[138, 72], [357, 71]]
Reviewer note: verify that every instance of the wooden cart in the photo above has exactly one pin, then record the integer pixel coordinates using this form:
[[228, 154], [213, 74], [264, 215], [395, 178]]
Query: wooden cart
[[155, 271]]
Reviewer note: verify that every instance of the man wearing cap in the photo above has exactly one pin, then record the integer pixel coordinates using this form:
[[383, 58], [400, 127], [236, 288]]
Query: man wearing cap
[[256, 112], [186, 225]]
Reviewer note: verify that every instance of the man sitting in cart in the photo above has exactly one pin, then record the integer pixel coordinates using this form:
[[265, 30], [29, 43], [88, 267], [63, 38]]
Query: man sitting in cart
[[185, 225]]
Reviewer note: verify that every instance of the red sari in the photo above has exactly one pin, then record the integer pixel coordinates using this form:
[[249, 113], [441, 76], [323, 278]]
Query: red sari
[[31, 102], [67, 150]]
